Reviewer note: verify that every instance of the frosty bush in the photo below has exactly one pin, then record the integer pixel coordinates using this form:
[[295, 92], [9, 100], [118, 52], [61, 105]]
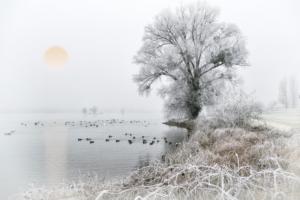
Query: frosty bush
[[236, 110]]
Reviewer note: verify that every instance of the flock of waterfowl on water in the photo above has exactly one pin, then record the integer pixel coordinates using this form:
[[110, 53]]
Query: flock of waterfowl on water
[[129, 137], [89, 124], [10, 132]]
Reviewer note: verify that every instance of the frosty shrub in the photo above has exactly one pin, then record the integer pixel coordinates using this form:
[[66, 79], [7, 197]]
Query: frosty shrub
[[236, 109]]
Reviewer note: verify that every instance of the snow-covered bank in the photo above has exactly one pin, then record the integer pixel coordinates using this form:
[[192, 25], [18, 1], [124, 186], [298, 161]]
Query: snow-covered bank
[[288, 120]]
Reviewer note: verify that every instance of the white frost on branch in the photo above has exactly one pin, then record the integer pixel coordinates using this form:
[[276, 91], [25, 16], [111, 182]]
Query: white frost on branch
[[193, 51]]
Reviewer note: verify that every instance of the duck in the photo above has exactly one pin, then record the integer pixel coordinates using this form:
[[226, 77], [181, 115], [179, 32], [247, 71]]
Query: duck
[[110, 136], [170, 143], [79, 139], [117, 140], [133, 137], [144, 141], [152, 142], [106, 140], [130, 141], [88, 139], [92, 142]]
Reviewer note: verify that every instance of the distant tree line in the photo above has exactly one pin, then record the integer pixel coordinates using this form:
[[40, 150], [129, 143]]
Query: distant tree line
[[288, 94], [92, 110]]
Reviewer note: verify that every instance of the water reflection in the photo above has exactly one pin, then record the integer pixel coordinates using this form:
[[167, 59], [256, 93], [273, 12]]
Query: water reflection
[[175, 136], [56, 146], [50, 154]]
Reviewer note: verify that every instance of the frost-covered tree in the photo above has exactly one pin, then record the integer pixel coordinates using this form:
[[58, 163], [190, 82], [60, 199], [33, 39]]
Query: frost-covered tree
[[194, 52]]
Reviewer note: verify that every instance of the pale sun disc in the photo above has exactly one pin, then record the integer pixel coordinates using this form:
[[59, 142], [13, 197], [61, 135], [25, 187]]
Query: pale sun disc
[[56, 57]]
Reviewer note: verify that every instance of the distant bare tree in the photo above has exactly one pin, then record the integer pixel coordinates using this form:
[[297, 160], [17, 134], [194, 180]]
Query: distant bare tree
[[293, 92], [84, 111], [94, 110], [283, 96], [194, 52]]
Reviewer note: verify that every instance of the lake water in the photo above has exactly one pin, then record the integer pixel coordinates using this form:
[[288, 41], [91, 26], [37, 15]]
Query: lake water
[[44, 149]]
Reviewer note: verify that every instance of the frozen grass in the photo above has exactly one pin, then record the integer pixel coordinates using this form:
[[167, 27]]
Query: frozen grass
[[86, 188], [215, 163]]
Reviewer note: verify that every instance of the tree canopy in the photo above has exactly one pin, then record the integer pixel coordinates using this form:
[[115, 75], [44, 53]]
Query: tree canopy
[[194, 52]]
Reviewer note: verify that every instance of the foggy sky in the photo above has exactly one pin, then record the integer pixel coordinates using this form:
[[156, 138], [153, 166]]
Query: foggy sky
[[101, 38]]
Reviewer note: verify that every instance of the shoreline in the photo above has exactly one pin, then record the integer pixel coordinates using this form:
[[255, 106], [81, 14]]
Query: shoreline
[[157, 178]]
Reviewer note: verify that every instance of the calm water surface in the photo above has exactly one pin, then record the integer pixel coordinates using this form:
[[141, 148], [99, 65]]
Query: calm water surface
[[49, 154]]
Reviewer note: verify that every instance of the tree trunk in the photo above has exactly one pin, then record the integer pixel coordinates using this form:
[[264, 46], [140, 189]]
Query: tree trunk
[[193, 99]]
